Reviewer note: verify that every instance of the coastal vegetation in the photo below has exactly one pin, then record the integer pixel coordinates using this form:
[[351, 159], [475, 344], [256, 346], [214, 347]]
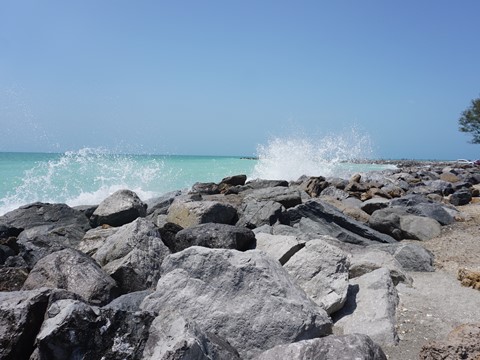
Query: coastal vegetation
[[470, 121]]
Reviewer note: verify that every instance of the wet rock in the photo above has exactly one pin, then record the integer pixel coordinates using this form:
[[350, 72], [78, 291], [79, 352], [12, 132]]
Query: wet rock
[[335, 347], [132, 255], [120, 208], [245, 297], [74, 271], [370, 308], [322, 271]]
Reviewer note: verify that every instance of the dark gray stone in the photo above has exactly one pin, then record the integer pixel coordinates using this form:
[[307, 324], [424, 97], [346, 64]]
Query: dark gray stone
[[75, 330], [259, 213], [320, 218], [461, 197], [211, 235], [374, 204], [159, 205], [41, 214], [286, 196], [120, 208], [259, 184], [129, 302]]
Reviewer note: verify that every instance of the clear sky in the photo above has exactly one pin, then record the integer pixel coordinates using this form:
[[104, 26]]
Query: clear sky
[[221, 77]]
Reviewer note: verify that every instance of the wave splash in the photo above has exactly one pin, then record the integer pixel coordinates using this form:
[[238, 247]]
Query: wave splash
[[332, 155], [86, 176]]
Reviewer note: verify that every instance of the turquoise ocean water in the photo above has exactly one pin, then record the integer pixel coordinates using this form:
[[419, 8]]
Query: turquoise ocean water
[[87, 176]]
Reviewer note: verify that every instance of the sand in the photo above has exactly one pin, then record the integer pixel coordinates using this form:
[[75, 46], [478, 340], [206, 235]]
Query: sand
[[437, 302]]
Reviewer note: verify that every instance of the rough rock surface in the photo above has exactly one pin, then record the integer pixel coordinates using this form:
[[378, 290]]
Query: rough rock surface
[[245, 297], [173, 337], [21, 316], [280, 247], [462, 343], [469, 278], [120, 208], [335, 347], [75, 330], [211, 235], [320, 218], [257, 213], [370, 308], [132, 255], [187, 213], [321, 270], [286, 196], [74, 271]]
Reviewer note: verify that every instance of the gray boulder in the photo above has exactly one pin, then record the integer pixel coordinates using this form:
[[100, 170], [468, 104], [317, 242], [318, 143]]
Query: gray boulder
[[401, 225], [258, 213], [120, 208], [187, 213], [260, 183], [159, 205], [368, 259], [412, 257], [245, 297], [173, 337], [286, 196], [334, 347], [215, 236], [321, 270], [132, 255], [317, 217], [37, 242], [75, 330], [374, 204], [370, 308], [94, 239], [41, 214], [461, 197], [280, 247], [434, 211], [74, 271], [129, 302], [21, 316]]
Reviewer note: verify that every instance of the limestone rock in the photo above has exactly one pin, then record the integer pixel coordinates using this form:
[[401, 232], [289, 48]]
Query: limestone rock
[[245, 297], [370, 308], [321, 270]]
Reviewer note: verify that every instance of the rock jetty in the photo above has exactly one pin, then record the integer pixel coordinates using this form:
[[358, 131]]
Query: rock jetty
[[261, 269]]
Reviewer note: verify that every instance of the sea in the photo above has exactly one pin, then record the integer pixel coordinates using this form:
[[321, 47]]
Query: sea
[[87, 176]]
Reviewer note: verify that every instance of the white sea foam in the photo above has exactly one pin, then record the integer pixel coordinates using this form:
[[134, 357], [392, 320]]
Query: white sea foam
[[86, 176], [331, 155]]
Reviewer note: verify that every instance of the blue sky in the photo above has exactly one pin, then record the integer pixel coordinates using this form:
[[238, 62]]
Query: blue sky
[[222, 77]]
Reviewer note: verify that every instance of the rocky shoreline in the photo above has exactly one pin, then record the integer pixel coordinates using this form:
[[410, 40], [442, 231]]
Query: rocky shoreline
[[266, 269]]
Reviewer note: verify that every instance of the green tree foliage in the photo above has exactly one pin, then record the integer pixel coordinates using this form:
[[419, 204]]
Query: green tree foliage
[[470, 121]]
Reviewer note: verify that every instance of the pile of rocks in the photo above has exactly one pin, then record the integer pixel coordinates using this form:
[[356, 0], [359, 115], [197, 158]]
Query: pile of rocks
[[235, 270]]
